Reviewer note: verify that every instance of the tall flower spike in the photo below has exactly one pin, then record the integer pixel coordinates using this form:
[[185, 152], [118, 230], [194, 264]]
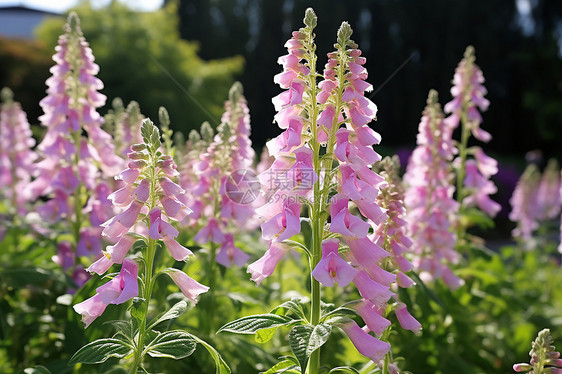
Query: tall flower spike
[[525, 209], [473, 185], [148, 189], [431, 209], [16, 155], [544, 357], [77, 157], [326, 149], [221, 183]]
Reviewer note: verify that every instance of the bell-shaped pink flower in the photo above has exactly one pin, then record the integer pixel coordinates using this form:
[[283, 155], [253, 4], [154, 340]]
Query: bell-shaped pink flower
[[188, 286], [230, 255], [101, 265], [160, 229], [405, 318], [265, 266], [283, 225], [118, 290], [363, 252], [332, 268], [123, 287], [117, 252], [372, 290], [372, 316], [210, 233], [90, 309], [367, 345], [345, 223]]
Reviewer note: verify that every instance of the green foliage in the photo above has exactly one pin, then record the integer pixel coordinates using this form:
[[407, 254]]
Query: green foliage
[[142, 58], [100, 350], [252, 324], [24, 67], [486, 325], [175, 344]]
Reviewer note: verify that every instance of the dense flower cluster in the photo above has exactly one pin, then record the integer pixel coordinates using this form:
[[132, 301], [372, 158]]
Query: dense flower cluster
[[468, 97], [544, 357], [16, 154], [312, 117], [536, 199], [432, 211], [77, 158], [149, 198], [217, 172]]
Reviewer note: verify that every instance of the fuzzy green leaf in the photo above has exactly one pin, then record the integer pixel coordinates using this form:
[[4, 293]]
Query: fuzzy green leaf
[[174, 312], [251, 324], [310, 18], [292, 305], [318, 337], [100, 350], [299, 337], [175, 344], [344, 369]]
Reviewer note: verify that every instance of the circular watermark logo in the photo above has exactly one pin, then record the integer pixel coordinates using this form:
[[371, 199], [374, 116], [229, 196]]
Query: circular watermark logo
[[242, 186]]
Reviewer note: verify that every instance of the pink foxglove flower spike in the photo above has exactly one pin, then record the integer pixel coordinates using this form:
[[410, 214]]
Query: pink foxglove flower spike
[[474, 186], [322, 167], [76, 157], [431, 208], [544, 357], [148, 183], [16, 155]]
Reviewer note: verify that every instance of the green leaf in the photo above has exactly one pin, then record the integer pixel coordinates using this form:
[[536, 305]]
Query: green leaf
[[318, 337], [305, 339], [251, 324], [299, 337], [281, 367], [292, 305], [339, 312], [100, 350], [344, 369], [174, 344], [174, 312], [123, 327], [265, 335], [222, 367], [37, 370]]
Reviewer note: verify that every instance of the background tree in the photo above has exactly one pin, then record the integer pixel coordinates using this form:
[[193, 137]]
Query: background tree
[[142, 58]]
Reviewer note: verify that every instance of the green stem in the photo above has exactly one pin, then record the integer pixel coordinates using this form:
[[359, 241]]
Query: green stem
[[147, 293], [148, 274], [211, 270]]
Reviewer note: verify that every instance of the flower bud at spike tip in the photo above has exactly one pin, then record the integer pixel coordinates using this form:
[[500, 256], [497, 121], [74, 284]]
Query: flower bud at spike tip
[[117, 104], [73, 23], [150, 134], [6, 95], [310, 18], [194, 136], [234, 93], [207, 132], [344, 34], [163, 116], [433, 97]]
